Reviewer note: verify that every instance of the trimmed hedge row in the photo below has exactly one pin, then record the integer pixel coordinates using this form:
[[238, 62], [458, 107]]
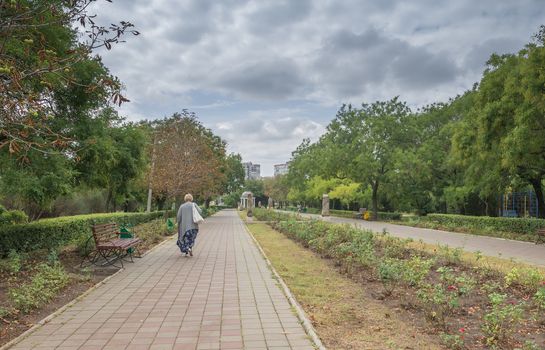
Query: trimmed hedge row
[[303, 210], [271, 215], [514, 225], [56, 232], [382, 215]]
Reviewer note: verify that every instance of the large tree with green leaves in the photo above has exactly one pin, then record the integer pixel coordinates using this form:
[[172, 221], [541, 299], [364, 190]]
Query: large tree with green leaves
[[501, 142], [367, 140], [46, 51]]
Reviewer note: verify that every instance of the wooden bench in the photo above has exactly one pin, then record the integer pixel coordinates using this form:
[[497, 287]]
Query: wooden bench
[[540, 236], [109, 246]]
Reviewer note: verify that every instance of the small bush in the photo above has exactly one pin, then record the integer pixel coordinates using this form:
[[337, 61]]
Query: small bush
[[500, 323], [11, 217], [416, 269], [528, 278], [452, 341], [390, 273], [13, 263], [539, 298]]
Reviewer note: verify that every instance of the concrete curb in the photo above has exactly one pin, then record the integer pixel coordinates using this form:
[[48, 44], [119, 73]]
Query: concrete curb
[[307, 325], [57, 312]]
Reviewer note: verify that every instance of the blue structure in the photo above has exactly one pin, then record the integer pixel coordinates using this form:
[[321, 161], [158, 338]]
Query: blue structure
[[519, 204]]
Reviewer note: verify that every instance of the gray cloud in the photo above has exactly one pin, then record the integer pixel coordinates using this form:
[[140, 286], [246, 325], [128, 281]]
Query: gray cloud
[[258, 56], [277, 14], [267, 79], [350, 64]]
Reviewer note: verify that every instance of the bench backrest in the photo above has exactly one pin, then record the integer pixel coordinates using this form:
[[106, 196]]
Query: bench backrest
[[105, 232]]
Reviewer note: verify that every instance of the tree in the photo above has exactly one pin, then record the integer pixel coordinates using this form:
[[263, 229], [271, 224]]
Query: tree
[[255, 186], [277, 188], [188, 158], [367, 141], [347, 193], [41, 55], [501, 141], [234, 173]]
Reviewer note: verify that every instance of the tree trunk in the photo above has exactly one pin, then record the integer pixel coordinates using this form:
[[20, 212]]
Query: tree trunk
[[109, 200], [536, 184], [207, 203], [374, 187]]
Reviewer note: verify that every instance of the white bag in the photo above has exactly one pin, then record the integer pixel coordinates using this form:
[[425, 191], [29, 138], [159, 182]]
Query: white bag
[[197, 218]]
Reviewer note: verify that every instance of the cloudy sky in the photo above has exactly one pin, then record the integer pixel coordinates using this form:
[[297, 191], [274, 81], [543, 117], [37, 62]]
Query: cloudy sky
[[266, 74]]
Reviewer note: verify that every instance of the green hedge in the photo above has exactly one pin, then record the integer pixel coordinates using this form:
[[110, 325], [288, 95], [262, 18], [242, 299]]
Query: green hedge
[[56, 232], [513, 225], [382, 215], [271, 215], [303, 210]]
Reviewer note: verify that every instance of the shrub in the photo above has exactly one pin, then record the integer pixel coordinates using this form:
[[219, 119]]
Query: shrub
[[383, 216], [13, 263], [499, 324], [453, 341], [56, 232], [416, 269], [539, 298], [528, 278], [390, 273], [45, 284], [443, 299], [271, 215], [10, 217], [487, 223]]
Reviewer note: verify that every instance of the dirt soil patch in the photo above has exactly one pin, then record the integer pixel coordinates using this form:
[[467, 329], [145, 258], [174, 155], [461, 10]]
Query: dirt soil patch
[[345, 315]]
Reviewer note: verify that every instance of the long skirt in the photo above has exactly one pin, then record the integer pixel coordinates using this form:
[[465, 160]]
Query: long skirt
[[187, 240]]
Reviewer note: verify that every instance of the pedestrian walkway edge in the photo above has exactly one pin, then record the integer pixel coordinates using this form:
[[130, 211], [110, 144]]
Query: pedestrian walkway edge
[[307, 325], [63, 308]]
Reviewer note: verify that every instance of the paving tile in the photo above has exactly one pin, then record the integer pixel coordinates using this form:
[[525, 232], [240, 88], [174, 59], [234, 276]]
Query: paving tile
[[222, 298]]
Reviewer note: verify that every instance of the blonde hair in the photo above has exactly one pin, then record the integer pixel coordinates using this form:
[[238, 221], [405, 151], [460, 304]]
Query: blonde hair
[[188, 198]]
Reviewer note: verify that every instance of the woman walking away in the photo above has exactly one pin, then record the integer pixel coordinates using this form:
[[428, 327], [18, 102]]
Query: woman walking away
[[188, 226]]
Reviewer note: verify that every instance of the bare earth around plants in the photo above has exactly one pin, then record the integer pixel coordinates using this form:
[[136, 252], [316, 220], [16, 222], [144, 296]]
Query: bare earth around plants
[[344, 316]]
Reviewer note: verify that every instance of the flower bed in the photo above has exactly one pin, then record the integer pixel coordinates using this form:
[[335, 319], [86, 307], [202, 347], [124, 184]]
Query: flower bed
[[471, 307]]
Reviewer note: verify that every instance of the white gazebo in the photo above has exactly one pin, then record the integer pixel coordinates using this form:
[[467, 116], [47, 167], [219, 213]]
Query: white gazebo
[[244, 200]]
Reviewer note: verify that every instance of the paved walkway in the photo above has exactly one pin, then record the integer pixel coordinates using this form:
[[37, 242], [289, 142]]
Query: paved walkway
[[222, 298], [522, 251]]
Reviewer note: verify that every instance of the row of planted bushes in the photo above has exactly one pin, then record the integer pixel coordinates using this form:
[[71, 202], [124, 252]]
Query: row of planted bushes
[[382, 215], [522, 227], [56, 232], [304, 210], [211, 210], [470, 306]]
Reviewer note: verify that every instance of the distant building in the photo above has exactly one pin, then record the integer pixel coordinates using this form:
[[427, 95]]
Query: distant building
[[281, 169], [252, 171]]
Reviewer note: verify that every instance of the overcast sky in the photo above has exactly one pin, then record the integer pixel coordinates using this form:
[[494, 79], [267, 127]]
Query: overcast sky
[[266, 74]]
